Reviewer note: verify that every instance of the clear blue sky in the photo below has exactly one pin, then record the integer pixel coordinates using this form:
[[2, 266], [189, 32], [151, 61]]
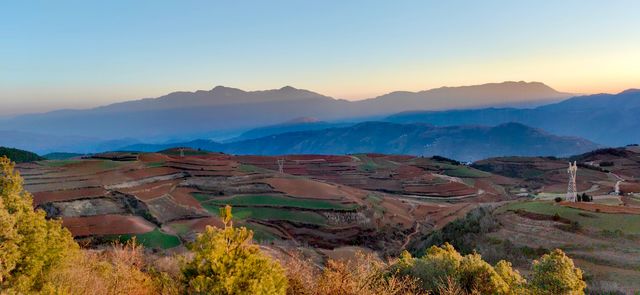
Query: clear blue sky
[[86, 53]]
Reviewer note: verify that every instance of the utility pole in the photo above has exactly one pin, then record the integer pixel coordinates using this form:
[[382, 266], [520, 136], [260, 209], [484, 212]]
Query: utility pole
[[281, 166], [572, 191]]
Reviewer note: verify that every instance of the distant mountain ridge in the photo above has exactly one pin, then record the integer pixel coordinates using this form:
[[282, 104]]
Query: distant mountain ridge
[[224, 109], [465, 143], [297, 124], [608, 119]]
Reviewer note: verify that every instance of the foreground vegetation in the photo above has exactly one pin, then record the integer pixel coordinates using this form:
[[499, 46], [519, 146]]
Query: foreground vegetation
[[40, 256]]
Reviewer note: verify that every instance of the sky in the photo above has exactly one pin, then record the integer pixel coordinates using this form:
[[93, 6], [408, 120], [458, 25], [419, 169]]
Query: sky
[[77, 54]]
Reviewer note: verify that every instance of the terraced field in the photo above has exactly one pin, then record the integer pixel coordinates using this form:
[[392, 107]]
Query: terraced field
[[605, 245], [272, 201], [154, 239], [626, 223], [165, 199]]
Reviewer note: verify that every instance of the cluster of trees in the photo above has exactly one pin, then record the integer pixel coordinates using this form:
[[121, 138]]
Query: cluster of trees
[[40, 256], [584, 198], [19, 156], [579, 198]]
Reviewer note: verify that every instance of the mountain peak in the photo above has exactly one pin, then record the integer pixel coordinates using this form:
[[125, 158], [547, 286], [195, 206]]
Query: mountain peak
[[631, 90], [288, 88]]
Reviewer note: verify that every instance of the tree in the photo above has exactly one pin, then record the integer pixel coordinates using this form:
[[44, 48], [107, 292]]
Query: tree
[[516, 283], [30, 246], [226, 262], [477, 275], [555, 273], [434, 267]]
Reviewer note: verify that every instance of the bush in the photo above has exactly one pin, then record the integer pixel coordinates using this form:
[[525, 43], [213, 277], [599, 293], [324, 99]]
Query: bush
[[558, 199], [226, 262], [117, 270], [462, 233], [443, 269], [555, 273], [363, 274]]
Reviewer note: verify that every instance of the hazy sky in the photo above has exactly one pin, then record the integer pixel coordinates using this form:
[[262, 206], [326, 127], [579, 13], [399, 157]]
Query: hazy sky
[[85, 53]]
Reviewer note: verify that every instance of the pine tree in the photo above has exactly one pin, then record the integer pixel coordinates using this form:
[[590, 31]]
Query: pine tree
[[30, 245], [226, 262]]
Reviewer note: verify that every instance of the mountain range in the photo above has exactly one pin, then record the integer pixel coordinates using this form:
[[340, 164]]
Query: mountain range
[[418, 123], [210, 113], [609, 119], [464, 143]]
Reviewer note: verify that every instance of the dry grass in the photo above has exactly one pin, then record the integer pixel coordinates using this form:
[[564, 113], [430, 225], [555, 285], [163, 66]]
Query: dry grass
[[363, 275], [120, 269]]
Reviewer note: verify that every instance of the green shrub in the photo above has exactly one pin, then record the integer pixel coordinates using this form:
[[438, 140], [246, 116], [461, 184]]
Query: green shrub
[[225, 262], [30, 246]]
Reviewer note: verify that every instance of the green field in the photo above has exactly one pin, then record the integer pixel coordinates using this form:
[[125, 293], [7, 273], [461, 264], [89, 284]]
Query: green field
[[269, 200], [260, 232], [180, 228], [154, 239], [370, 164], [462, 171], [155, 164], [241, 213], [627, 223]]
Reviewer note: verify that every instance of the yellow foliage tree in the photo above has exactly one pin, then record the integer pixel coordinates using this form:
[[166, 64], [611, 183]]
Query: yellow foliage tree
[[442, 270], [555, 273]]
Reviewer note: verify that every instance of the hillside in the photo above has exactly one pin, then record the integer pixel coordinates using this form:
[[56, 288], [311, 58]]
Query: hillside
[[608, 119], [333, 206], [19, 156], [464, 143], [295, 125]]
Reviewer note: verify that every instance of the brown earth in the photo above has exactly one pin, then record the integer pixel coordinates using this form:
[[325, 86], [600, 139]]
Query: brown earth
[[107, 225]]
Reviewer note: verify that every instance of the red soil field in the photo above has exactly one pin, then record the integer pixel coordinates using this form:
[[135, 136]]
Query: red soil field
[[630, 187], [152, 190], [305, 188], [107, 225], [66, 195], [182, 196], [601, 207]]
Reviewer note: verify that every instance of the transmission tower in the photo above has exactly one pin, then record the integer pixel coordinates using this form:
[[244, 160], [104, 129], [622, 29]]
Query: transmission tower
[[281, 165], [572, 191]]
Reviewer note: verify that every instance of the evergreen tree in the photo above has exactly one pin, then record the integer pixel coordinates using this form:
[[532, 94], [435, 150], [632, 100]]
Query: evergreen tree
[[226, 262], [30, 245]]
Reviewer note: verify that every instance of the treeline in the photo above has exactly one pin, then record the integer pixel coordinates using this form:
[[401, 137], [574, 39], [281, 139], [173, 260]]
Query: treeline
[[19, 156], [40, 256]]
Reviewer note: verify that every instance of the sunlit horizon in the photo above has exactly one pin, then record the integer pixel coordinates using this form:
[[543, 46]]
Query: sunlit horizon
[[73, 55]]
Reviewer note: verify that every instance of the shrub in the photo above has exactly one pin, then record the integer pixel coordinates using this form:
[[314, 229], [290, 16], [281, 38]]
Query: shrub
[[117, 270], [555, 273], [558, 199], [364, 274], [444, 271], [226, 262], [30, 246]]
